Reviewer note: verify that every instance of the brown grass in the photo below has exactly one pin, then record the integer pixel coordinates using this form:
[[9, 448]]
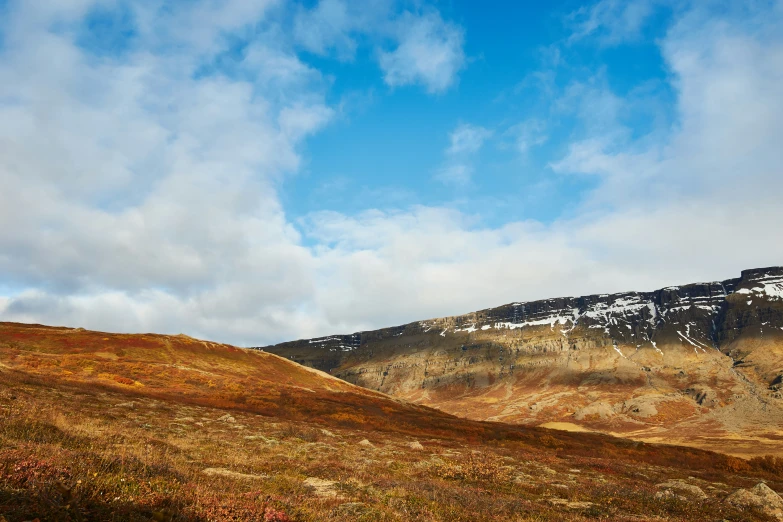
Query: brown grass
[[77, 444]]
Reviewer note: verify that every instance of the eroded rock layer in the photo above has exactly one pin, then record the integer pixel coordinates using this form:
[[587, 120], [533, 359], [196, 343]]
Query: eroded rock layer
[[699, 364]]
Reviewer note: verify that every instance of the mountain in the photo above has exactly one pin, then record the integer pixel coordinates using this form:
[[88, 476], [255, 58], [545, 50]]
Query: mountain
[[698, 364], [98, 426]]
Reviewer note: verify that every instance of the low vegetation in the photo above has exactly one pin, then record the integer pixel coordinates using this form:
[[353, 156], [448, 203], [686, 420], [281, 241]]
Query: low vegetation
[[210, 432]]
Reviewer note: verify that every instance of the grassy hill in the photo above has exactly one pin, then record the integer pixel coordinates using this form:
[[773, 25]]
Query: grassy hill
[[97, 426]]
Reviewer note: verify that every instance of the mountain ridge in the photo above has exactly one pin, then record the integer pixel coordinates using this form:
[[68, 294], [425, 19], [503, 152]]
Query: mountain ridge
[[718, 344], [702, 295]]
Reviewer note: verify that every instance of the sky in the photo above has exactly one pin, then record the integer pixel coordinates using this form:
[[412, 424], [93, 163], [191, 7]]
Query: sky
[[255, 171]]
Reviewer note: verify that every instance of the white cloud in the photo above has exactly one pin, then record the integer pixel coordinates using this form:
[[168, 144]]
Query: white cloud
[[527, 134], [429, 52], [467, 139], [697, 202], [727, 77], [457, 174], [613, 21], [279, 68], [298, 121], [137, 196], [328, 25], [141, 195]]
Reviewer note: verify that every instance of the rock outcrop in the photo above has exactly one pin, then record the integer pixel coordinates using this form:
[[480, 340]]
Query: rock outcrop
[[760, 497]]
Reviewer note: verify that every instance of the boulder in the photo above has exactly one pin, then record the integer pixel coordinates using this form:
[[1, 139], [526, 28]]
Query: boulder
[[761, 497], [679, 488]]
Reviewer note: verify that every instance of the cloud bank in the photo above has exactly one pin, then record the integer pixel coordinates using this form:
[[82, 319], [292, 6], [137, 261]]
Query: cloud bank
[[140, 185]]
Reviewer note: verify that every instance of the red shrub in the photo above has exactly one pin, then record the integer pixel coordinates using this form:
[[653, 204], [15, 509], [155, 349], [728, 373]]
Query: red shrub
[[768, 463], [275, 515]]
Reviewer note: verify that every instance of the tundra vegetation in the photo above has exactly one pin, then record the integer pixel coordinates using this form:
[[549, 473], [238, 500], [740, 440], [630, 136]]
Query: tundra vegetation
[[97, 426]]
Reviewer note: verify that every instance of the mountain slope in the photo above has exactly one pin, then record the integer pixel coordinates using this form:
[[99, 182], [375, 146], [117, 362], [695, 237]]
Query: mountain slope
[[201, 373], [699, 364]]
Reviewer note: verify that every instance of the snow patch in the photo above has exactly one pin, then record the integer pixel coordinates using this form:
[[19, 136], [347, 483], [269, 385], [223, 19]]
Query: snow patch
[[696, 347], [470, 329], [621, 307], [321, 340], [653, 313], [551, 321], [771, 285]]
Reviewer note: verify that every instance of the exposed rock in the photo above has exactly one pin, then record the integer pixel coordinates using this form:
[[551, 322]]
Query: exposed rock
[[703, 396], [222, 472], [601, 409], [761, 497], [267, 440], [641, 407], [322, 487], [569, 504], [366, 443], [524, 478], [666, 494], [681, 488]]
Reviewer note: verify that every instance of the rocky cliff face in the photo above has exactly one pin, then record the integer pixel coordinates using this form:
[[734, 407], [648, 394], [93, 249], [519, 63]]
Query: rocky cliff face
[[694, 364]]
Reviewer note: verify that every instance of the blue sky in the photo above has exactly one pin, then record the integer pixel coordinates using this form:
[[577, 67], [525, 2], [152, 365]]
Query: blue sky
[[505, 47], [255, 171]]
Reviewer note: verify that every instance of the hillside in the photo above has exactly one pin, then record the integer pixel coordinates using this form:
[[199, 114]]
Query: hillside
[[196, 372], [699, 364], [97, 426]]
